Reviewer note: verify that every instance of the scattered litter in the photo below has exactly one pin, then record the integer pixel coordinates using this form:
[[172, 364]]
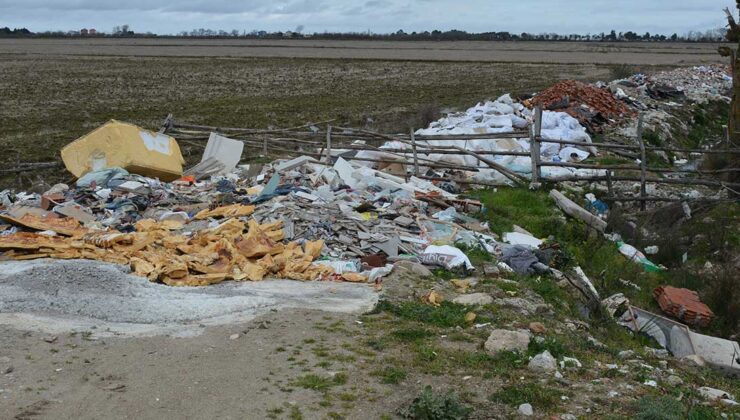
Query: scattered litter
[[652, 250], [445, 256], [516, 238], [633, 254], [651, 383], [682, 342]]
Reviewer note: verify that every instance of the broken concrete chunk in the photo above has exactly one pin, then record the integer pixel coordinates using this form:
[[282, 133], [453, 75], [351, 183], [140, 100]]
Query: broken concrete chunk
[[474, 299], [714, 394], [507, 340]]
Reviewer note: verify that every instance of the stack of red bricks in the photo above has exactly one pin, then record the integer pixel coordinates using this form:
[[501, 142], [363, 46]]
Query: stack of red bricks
[[683, 304]]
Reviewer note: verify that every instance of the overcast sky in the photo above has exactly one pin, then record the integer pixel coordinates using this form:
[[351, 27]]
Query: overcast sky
[[561, 16]]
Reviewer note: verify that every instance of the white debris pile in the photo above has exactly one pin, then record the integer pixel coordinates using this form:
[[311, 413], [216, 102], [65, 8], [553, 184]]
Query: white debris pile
[[504, 115], [697, 84]]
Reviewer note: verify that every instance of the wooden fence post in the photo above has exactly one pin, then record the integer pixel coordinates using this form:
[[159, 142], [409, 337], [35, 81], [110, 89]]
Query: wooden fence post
[[534, 147], [328, 144], [416, 159], [643, 164], [166, 125], [726, 133], [264, 146], [609, 186]]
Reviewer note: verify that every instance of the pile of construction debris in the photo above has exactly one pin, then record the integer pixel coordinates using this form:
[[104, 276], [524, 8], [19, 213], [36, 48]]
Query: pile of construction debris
[[697, 84], [297, 219], [592, 106]]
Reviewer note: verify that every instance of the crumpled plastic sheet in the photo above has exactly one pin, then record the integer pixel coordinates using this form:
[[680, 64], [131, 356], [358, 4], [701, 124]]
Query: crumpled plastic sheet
[[445, 256]]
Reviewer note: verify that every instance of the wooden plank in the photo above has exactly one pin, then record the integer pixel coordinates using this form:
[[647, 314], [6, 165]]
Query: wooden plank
[[416, 158], [328, 144], [166, 124], [671, 199], [576, 211], [678, 181]]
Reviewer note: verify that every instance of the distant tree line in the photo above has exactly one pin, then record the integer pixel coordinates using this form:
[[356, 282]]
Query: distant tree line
[[712, 35], [17, 32]]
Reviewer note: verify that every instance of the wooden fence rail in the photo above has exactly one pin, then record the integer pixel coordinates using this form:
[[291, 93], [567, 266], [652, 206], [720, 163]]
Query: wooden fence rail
[[335, 139], [322, 140]]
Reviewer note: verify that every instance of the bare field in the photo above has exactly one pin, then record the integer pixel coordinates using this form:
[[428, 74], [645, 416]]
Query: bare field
[[54, 90], [646, 53]]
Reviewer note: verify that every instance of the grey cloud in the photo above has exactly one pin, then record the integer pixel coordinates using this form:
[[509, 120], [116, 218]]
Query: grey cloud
[[563, 16]]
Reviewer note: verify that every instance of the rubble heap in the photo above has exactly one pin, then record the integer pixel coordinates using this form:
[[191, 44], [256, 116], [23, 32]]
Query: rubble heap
[[698, 84], [297, 219], [592, 106]]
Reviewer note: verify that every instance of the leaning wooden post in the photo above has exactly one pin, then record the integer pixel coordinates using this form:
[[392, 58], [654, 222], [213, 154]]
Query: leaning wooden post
[[534, 147], [416, 159], [166, 125], [643, 164], [609, 185], [328, 144], [264, 146]]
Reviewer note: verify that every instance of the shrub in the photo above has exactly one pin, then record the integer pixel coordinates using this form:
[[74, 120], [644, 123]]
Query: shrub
[[621, 71], [431, 406]]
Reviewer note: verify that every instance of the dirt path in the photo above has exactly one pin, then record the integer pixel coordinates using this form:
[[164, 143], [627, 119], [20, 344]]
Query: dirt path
[[213, 375]]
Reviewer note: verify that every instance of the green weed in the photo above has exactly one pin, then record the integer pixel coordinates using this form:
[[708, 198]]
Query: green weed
[[539, 396], [411, 334], [320, 383], [431, 406], [391, 375], [445, 316]]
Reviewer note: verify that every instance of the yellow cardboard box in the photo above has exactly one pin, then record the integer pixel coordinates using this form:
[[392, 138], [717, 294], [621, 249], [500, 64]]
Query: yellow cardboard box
[[126, 145]]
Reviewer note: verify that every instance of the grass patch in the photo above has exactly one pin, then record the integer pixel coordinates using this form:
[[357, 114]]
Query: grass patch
[[539, 396], [320, 383], [707, 121], [532, 210], [411, 334], [612, 160], [477, 254], [547, 288], [555, 347], [621, 71], [391, 375], [660, 408], [446, 315]]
